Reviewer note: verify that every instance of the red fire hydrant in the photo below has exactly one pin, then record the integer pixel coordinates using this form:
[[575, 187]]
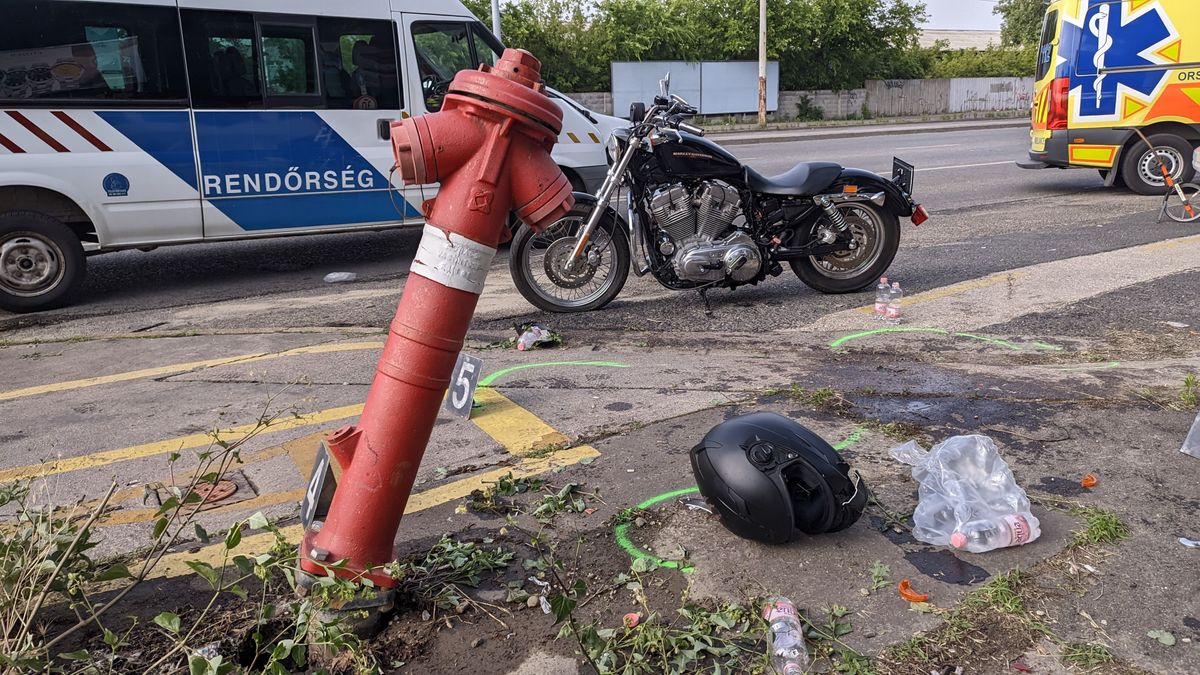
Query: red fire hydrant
[[489, 147]]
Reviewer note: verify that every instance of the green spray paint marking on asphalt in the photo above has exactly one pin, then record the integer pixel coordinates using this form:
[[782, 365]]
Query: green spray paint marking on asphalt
[[938, 331], [621, 531], [850, 440], [490, 379]]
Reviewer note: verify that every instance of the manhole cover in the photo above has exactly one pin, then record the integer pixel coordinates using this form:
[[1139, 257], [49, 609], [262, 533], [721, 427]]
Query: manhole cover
[[211, 493]]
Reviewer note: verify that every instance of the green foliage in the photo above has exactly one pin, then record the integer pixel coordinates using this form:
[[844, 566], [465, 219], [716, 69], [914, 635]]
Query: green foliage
[[990, 62], [435, 577], [1087, 655], [1021, 20], [879, 575], [806, 111], [1189, 393], [820, 44]]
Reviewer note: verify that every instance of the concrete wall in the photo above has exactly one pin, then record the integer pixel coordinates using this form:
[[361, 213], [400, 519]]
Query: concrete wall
[[886, 98]]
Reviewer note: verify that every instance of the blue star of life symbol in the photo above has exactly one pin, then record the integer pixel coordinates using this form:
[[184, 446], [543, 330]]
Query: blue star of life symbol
[[1112, 37]]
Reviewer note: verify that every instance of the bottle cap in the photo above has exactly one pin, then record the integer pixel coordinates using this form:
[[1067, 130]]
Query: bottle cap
[[958, 540]]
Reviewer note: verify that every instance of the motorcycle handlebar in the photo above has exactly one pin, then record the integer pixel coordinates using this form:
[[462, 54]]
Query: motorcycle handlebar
[[684, 126]]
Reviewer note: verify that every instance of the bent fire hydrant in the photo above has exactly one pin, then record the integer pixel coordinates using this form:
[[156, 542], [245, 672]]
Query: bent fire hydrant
[[489, 147]]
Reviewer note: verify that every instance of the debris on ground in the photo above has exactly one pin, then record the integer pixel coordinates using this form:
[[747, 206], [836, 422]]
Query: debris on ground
[[907, 592], [1190, 543], [1090, 481], [968, 497], [1191, 445], [340, 277], [534, 335]]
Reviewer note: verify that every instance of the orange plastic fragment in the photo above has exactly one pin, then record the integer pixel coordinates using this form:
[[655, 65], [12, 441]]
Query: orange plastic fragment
[[907, 592], [1089, 481]]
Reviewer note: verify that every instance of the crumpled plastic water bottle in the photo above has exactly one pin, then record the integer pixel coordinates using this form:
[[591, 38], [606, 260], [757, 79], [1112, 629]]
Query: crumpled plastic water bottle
[[789, 654], [968, 497]]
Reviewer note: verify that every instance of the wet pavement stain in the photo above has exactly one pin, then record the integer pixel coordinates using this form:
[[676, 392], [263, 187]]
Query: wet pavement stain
[[944, 566], [619, 406]]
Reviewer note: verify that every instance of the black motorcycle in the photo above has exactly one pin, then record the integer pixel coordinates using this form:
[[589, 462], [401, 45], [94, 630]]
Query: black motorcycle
[[697, 219]]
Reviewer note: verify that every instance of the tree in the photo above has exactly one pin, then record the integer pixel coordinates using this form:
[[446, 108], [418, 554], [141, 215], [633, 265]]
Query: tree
[[1021, 21], [820, 44]]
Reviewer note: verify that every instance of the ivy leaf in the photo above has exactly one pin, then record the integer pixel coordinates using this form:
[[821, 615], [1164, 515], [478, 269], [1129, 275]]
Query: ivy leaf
[[1163, 636], [642, 565], [561, 606], [81, 655], [205, 570], [234, 537], [259, 522], [202, 534], [169, 621], [117, 571]]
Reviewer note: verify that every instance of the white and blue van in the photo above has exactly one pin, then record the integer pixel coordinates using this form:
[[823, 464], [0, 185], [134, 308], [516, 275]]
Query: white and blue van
[[135, 124]]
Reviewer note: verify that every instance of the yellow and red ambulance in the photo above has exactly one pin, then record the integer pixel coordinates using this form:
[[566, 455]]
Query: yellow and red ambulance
[[1108, 67]]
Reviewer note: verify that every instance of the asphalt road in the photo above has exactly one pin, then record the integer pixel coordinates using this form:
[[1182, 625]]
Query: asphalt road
[[988, 216]]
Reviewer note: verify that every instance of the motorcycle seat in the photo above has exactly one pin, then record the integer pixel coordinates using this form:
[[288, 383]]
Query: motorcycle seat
[[803, 180]]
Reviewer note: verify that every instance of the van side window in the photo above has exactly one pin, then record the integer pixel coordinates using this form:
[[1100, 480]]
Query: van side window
[[358, 64], [289, 61], [1046, 45], [442, 49], [222, 58], [487, 47], [88, 52]]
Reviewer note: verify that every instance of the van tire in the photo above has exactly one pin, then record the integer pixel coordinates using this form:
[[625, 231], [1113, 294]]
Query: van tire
[[42, 263], [1134, 163]]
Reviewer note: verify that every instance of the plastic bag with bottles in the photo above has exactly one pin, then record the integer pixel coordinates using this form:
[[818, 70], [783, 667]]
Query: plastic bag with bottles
[[968, 497]]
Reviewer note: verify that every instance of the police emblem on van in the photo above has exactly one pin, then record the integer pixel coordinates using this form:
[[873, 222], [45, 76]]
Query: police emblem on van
[[116, 185]]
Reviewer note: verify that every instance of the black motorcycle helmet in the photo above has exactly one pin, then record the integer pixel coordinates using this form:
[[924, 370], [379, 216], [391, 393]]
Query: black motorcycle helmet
[[769, 478]]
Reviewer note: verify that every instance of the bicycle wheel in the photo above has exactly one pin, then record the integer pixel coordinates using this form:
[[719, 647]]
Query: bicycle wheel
[[1183, 210]]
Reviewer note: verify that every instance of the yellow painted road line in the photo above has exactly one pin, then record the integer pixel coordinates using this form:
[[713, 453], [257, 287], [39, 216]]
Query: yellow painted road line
[[952, 289], [517, 429], [179, 368], [175, 564], [180, 444], [130, 516]]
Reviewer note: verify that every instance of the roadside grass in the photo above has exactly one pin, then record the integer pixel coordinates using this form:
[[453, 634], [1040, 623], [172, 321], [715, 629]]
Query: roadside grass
[[1189, 393], [1086, 655], [1100, 527]]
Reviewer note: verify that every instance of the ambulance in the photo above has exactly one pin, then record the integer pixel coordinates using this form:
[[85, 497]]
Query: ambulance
[[155, 122], [1108, 67]]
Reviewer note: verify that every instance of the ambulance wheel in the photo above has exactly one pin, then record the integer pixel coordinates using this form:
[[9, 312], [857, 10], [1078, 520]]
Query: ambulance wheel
[[41, 262], [1141, 172]]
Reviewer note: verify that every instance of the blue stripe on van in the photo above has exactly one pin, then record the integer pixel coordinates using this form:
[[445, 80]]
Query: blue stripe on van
[[166, 135], [314, 210]]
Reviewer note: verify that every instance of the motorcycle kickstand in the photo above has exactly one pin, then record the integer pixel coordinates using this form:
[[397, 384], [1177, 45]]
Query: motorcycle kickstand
[[707, 306]]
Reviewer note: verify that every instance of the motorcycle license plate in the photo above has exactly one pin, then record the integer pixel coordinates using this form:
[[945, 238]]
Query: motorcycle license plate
[[903, 174]]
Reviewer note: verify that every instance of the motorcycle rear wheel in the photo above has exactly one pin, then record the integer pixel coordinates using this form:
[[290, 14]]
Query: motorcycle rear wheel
[[877, 232], [537, 264]]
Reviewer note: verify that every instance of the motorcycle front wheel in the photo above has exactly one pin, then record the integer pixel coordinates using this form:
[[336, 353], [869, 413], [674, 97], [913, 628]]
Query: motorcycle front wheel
[[877, 233], [538, 263]]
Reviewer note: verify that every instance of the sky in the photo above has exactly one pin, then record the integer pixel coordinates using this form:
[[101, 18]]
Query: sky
[[961, 15]]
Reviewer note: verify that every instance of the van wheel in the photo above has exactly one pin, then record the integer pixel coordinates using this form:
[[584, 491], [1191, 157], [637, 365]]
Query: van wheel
[[1141, 173], [41, 262]]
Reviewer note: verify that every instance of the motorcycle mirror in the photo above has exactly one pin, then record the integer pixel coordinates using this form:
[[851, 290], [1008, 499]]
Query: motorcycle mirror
[[664, 85], [637, 111]]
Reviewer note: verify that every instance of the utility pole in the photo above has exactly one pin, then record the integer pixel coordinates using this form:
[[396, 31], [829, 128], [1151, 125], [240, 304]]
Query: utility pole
[[762, 63], [496, 19]]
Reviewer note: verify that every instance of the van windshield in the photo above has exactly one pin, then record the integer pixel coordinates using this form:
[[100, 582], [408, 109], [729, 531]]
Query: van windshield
[[443, 49], [1046, 46]]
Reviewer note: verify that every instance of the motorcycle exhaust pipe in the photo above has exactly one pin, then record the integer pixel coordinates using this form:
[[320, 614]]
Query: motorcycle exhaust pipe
[[876, 198]]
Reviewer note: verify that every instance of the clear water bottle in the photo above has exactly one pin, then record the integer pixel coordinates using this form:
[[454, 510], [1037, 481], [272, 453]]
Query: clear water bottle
[[894, 301], [881, 298], [981, 536], [789, 653]]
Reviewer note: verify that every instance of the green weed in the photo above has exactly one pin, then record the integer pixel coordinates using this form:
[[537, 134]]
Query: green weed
[[1086, 655]]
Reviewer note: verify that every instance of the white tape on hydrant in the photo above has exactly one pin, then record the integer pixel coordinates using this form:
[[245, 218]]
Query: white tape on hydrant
[[452, 260]]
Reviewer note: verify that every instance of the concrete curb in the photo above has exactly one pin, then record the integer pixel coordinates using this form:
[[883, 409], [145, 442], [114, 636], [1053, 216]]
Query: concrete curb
[[812, 134]]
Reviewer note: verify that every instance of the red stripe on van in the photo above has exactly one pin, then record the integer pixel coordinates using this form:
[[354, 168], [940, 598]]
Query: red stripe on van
[[12, 147], [37, 131], [78, 128]]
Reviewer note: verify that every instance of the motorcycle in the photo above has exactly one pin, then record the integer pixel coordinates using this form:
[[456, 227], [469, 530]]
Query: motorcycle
[[697, 218]]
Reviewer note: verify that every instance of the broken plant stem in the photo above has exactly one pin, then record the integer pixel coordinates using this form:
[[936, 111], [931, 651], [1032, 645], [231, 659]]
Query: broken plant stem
[[66, 556]]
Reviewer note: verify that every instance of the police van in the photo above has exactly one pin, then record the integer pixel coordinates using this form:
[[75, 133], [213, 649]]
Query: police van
[[155, 122]]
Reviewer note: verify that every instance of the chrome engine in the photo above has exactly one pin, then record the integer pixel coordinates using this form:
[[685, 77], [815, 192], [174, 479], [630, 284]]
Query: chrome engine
[[700, 235]]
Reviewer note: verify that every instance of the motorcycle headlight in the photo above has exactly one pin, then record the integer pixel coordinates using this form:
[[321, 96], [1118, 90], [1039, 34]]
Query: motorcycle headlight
[[613, 149]]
